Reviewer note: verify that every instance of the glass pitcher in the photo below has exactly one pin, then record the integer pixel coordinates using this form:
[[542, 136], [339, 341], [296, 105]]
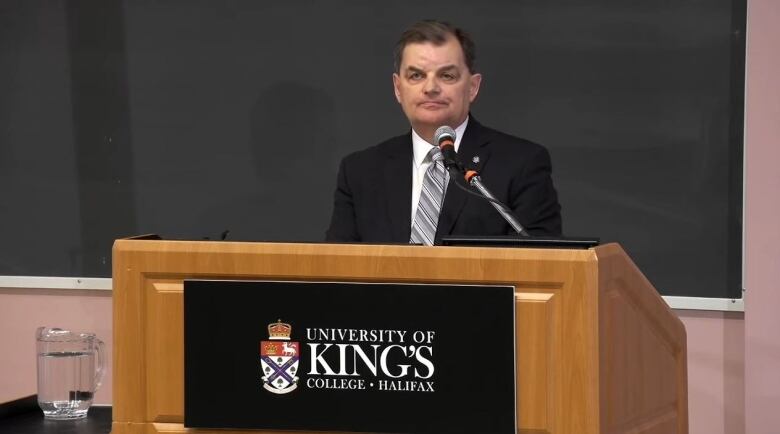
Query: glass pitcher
[[70, 369]]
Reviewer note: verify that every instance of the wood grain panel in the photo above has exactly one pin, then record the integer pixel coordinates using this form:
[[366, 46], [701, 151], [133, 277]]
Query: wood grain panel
[[576, 357], [164, 350], [535, 327], [636, 351], [128, 373], [644, 381]]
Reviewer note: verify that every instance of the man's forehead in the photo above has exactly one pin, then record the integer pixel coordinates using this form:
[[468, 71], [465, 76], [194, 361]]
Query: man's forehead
[[429, 55]]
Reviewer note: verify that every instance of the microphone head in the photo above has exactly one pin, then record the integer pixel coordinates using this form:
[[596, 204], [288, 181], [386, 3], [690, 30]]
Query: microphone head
[[444, 133], [445, 140]]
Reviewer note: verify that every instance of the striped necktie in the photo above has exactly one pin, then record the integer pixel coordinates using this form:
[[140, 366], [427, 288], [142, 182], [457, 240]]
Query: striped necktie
[[431, 197]]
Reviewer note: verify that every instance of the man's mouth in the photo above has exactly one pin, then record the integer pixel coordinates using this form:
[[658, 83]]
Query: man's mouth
[[433, 104]]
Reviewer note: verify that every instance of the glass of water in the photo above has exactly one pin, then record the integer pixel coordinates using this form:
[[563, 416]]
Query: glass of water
[[70, 369]]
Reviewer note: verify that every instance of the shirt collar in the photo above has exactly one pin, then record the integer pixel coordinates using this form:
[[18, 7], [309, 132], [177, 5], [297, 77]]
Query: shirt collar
[[421, 148]]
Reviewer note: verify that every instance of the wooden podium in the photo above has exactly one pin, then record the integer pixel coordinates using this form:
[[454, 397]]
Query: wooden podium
[[598, 350]]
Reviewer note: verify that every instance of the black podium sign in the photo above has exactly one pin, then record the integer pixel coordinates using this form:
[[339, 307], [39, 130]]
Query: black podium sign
[[349, 357]]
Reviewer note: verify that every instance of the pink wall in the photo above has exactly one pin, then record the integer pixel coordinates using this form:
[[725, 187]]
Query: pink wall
[[716, 369], [23, 311], [762, 211]]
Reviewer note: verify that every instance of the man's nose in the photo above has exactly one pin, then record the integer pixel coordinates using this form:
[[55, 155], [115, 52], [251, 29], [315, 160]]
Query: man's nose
[[431, 86]]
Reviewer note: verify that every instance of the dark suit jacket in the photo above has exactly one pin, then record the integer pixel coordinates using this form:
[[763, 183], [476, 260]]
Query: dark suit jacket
[[374, 187]]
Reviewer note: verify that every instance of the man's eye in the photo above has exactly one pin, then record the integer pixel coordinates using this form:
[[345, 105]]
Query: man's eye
[[415, 76], [449, 77]]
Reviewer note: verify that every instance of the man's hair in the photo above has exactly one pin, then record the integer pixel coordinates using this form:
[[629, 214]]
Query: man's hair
[[437, 33]]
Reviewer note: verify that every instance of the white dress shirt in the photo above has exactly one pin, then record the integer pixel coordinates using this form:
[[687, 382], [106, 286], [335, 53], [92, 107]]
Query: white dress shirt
[[421, 162]]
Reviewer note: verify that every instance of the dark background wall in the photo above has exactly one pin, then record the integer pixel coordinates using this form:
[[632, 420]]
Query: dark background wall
[[187, 118]]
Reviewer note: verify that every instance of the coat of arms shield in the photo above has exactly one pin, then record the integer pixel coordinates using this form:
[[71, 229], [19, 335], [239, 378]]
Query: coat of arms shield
[[279, 360]]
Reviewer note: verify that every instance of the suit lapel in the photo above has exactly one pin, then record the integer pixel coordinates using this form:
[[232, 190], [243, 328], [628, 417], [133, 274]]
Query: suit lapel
[[398, 187], [473, 153]]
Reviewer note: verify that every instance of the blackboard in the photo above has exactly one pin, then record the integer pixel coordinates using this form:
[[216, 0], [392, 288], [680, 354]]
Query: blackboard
[[188, 118]]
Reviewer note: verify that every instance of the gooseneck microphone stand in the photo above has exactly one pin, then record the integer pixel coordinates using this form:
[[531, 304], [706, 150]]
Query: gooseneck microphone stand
[[445, 138], [475, 181]]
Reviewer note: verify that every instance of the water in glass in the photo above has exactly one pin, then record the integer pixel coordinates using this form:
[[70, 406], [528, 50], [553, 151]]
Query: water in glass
[[67, 380], [70, 367]]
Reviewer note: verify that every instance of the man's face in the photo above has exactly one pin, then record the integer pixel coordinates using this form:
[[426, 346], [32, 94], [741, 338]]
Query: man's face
[[434, 85]]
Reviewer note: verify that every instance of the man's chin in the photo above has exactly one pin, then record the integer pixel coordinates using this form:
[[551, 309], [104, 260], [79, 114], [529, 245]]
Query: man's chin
[[434, 120]]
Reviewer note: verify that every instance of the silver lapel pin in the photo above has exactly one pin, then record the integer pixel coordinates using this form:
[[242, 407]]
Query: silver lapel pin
[[475, 159]]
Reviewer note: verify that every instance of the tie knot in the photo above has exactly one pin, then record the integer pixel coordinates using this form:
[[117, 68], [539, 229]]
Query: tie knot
[[435, 154]]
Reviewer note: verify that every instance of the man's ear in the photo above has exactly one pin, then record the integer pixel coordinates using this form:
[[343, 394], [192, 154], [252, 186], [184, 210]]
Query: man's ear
[[396, 84], [474, 81]]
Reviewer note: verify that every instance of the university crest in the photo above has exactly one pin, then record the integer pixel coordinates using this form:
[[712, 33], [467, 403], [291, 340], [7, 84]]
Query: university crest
[[279, 359]]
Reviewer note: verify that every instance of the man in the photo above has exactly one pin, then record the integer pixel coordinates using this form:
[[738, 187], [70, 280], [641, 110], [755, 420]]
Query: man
[[393, 192]]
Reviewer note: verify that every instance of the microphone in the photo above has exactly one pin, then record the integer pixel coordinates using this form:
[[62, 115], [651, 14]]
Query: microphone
[[445, 138]]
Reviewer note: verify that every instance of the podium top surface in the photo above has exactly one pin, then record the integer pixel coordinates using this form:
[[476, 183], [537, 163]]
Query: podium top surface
[[569, 249]]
